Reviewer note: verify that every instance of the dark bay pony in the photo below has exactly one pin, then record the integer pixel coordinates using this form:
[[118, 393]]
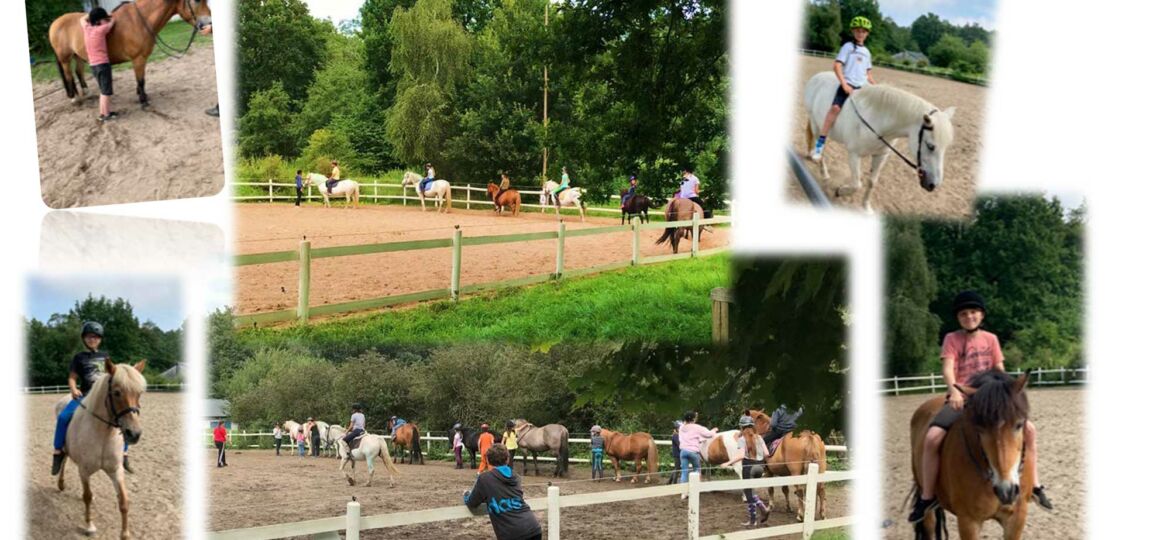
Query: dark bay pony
[[637, 447], [406, 441], [552, 438], [471, 440], [509, 198], [982, 470], [638, 206], [679, 210], [133, 38]]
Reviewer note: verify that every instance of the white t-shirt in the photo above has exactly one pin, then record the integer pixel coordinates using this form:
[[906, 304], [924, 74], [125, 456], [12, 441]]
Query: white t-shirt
[[689, 186], [276, 434], [359, 420], [857, 63]]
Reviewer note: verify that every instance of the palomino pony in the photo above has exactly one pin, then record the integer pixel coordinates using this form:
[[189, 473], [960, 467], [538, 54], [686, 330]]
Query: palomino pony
[[132, 39], [369, 446], [349, 188], [568, 197], [679, 210], [637, 206], [982, 470], [870, 120], [638, 447], [406, 440], [509, 198], [440, 190], [107, 416], [551, 438]]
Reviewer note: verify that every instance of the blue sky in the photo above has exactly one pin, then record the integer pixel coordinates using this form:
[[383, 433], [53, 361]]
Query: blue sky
[[958, 12], [155, 299]]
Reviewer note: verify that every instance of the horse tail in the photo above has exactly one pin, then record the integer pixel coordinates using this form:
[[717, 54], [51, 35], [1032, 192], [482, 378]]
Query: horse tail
[[563, 454], [357, 192], [384, 455], [449, 197], [415, 447], [652, 456], [670, 215]]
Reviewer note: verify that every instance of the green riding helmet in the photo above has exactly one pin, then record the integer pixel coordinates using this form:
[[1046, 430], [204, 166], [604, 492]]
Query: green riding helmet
[[861, 22]]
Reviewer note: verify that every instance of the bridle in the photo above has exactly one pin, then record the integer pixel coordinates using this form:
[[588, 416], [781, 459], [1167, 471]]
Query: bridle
[[922, 129], [110, 408], [986, 462], [167, 48]]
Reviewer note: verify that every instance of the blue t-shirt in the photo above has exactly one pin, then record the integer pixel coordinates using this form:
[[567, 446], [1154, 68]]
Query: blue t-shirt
[[299, 181]]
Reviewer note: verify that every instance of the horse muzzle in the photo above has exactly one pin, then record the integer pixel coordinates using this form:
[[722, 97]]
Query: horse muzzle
[[131, 435], [1007, 493], [926, 181]]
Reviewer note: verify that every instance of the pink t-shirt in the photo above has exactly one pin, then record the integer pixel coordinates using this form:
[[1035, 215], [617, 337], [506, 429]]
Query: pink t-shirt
[[690, 436], [973, 353], [95, 42]]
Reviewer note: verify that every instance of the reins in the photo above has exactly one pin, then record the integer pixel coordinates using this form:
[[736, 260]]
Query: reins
[[167, 48], [924, 127], [110, 407]]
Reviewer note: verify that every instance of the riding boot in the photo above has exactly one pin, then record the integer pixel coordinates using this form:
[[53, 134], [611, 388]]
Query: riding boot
[[1040, 498], [126, 464], [58, 460], [921, 508]]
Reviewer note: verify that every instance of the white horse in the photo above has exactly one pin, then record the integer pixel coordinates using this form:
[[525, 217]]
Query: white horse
[[336, 432], [568, 197], [291, 427], [440, 190], [891, 114], [348, 188], [370, 446], [322, 430], [106, 416]]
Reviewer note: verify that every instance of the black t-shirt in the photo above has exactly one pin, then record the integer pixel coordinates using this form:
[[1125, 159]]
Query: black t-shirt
[[88, 365]]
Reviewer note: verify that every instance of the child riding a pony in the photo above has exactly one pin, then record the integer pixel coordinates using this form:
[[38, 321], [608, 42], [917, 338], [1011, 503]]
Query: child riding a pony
[[84, 370], [966, 352], [556, 194], [334, 177], [356, 427], [427, 178], [783, 422], [754, 453], [629, 192], [690, 190], [854, 69], [96, 28]]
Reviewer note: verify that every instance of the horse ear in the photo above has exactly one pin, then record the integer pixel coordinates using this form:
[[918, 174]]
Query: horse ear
[[966, 390], [949, 112], [926, 120], [111, 367], [141, 365], [1021, 382]]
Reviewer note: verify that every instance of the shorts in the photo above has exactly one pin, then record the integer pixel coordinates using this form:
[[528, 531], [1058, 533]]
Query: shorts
[[946, 417], [840, 97], [105, 78]]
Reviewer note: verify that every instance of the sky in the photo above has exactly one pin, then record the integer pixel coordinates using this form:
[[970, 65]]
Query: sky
[[958, 12], [335, 10], [155, 299]]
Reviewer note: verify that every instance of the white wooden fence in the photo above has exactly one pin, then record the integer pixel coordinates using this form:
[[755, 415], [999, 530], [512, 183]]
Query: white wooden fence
[[934, 382], [63, 389], [937, 72], [353, 522]]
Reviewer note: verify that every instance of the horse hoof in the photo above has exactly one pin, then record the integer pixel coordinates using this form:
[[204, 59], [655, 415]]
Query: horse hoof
[[350, 480], [90, 530]]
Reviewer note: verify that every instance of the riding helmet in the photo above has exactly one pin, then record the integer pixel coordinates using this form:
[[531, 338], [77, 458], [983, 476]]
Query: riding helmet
[[357, 406], [746, 421], [595, 429], [967, 300], [93, 327], [509, 424], [97, 15], [457, 426], [860, 22], [678, 424]]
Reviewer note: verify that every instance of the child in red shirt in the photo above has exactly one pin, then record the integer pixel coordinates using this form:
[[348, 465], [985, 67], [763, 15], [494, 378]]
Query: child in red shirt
[[96, 26]]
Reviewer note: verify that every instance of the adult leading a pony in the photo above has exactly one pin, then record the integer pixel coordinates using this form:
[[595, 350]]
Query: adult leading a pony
[[344, 188], [135, 33]]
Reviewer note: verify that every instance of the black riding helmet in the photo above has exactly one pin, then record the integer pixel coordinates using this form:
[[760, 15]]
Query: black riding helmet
[[357, 406], [968, 300], [97, 15], [93, 327]]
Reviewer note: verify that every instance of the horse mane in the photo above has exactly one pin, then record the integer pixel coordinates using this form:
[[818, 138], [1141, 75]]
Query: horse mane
[[125, 377], [903, 104], [994, 401]]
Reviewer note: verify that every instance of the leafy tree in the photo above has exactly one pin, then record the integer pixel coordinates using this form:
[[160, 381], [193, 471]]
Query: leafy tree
[[338, 78], [911, 328], [378, 46], [279, 42], [927, 30], [823, 26], [267, 127], [39, 15], [325, 146], [948, 51], [225, 353]]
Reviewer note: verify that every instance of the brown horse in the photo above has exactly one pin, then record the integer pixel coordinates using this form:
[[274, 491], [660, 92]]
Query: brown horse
[[679, 210], [637, 206], [133, 38], [509, 198], [980, 462], [638, 447], [406, 439]]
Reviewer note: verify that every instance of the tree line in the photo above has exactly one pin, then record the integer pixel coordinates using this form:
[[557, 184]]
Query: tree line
[[963, 49], [634, 87], [52, 343], [1024, 254]]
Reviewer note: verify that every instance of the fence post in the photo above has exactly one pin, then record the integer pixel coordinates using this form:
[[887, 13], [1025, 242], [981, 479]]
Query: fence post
[[637, 242], [269, 190], [375, 191], [560, 248], [720, 315], [305, 262], [810, 501], [353, 520], [468, 196], [692, 506], [554, 513], [695, 234], [456, 262], [403, 194], [895, 385]]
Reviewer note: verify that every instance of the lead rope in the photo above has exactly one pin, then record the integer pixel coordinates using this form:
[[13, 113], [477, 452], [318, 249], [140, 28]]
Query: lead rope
[[166, 48], [921, 129]]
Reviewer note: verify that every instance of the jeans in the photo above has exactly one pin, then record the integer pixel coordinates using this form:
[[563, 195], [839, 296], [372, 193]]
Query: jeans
[[63, 420], [689, 458], [459, 457], [301, 448], [596, 463], [300, 193], [278, 441]]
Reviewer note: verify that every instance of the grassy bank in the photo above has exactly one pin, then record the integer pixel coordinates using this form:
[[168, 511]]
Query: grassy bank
[[663, 303]]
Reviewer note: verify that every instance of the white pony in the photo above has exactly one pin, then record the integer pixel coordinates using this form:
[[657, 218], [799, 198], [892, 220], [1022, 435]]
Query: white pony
[[348, 188], [106, 416], [370, 446], [440, 190], [290, 428], [322, 430], [568, 197], [890, 114], [336, 432]]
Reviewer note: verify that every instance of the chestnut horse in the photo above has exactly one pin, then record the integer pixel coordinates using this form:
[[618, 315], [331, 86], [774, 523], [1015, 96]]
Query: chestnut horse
[[509, 198], [638, 447], [406, 439], [133, 38], [982, 470], [679, 210], [791, 458]]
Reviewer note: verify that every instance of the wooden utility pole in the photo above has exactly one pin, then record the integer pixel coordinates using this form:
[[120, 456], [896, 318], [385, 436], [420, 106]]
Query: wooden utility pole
[[544, 166]]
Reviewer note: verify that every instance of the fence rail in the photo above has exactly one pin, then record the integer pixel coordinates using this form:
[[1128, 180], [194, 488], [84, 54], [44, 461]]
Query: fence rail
[[306, 253], [353, 522], [948, 74], [61, 389], [934, 382]]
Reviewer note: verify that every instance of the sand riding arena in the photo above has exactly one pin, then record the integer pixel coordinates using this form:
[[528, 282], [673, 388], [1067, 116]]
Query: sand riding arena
[[258, 488], [898, 191], [264, 228], [1061, 439], [155, 488]]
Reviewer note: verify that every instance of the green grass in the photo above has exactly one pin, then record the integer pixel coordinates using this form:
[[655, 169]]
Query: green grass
[[832, 534], [175, 33], [666, 302]]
